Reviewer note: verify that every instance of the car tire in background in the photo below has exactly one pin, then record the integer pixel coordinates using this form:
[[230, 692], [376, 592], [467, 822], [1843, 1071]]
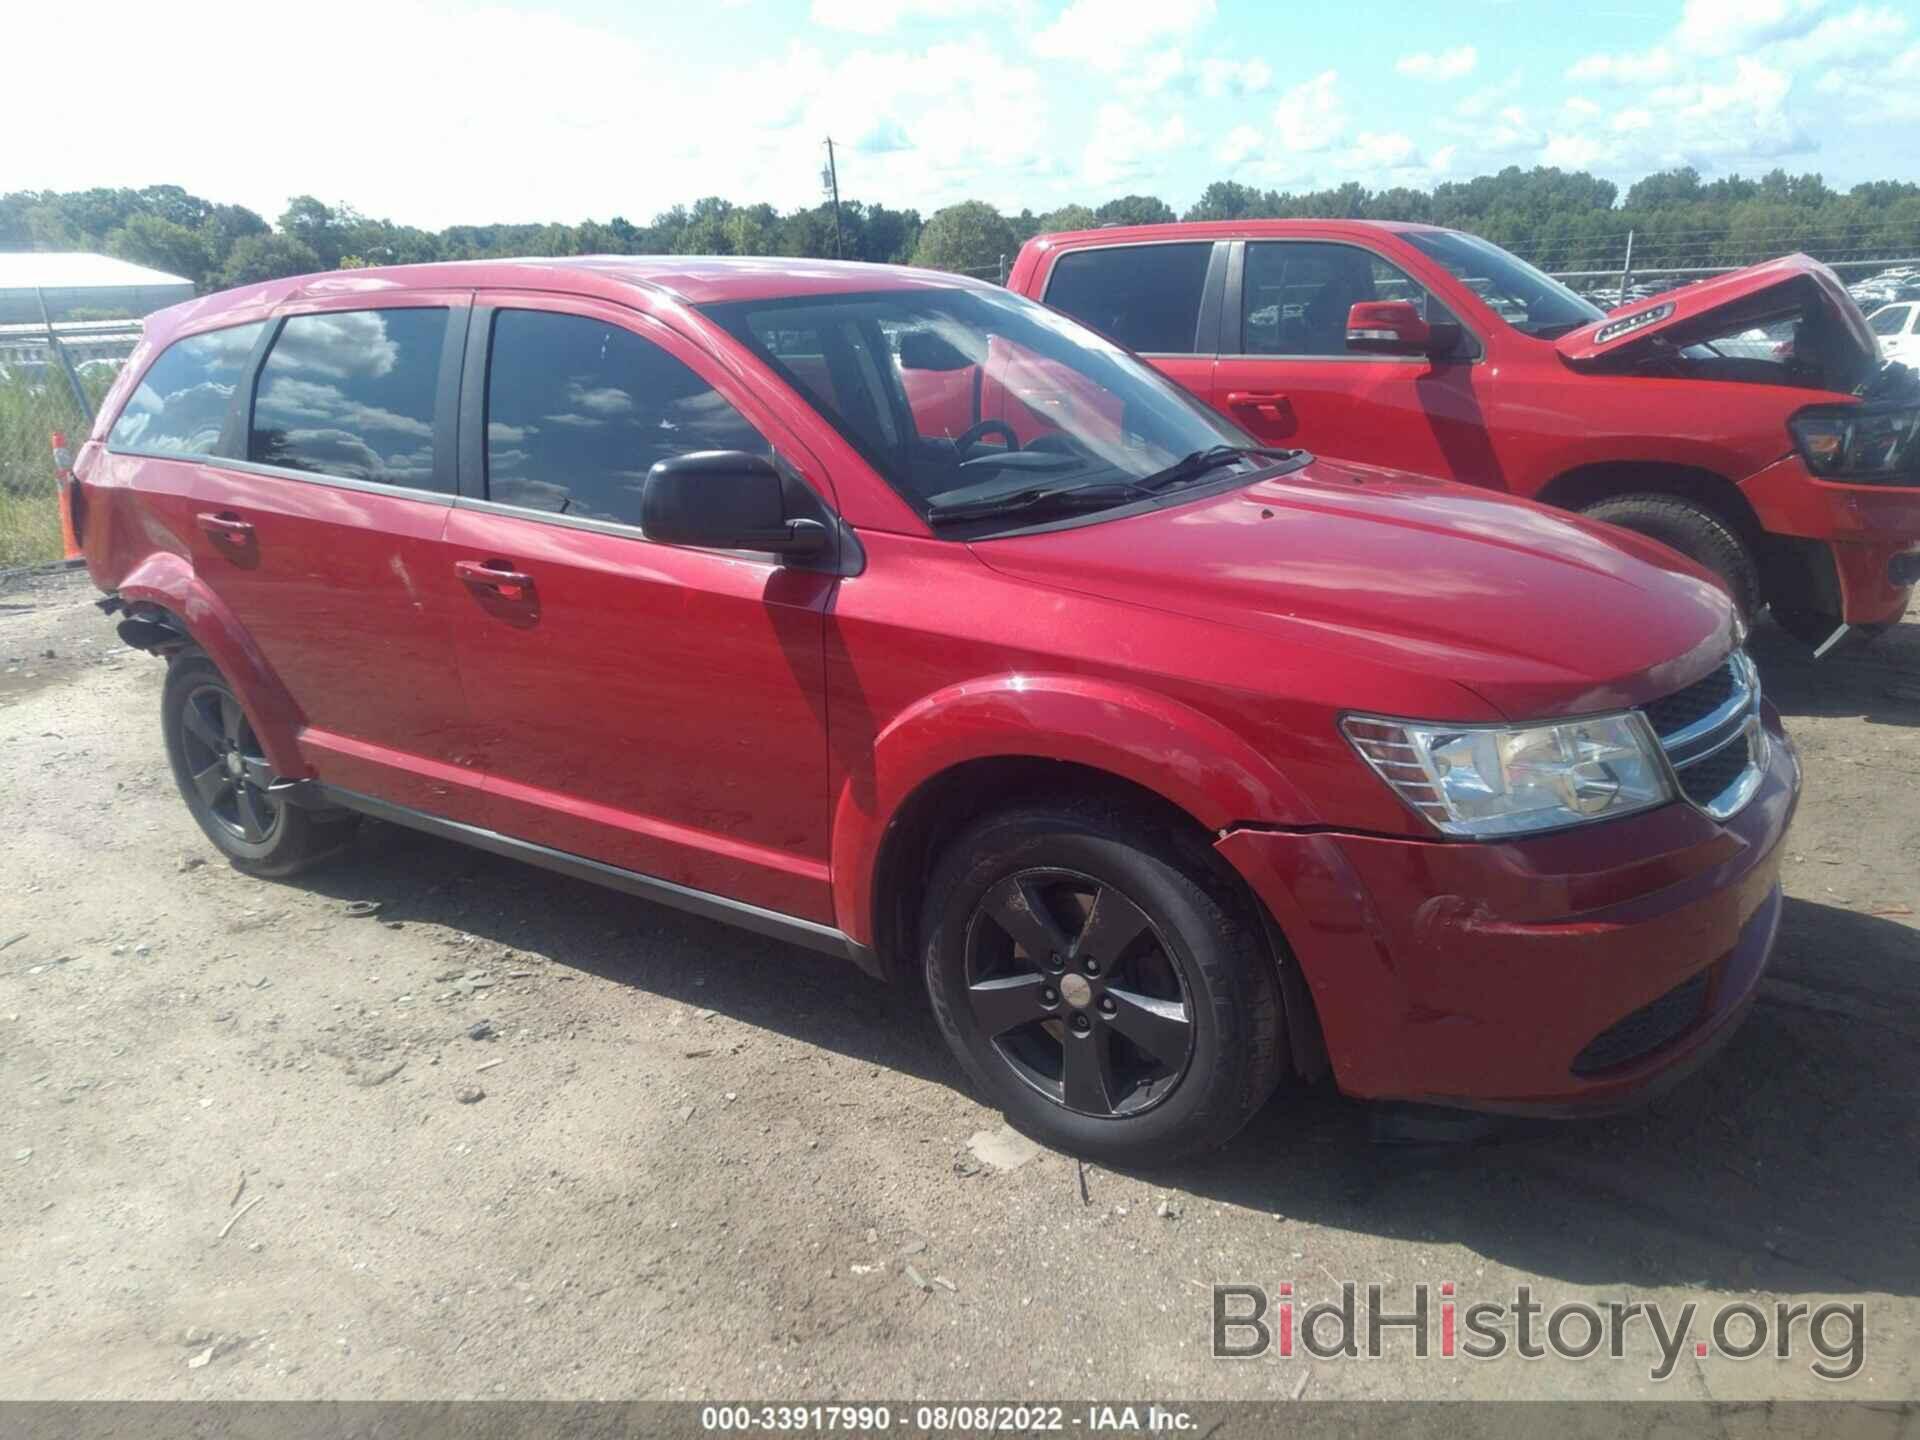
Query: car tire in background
[[224, 776], [1695, 532], [1105, 992]]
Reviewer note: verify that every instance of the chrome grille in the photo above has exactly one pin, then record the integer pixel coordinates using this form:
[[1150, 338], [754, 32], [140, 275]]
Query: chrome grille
[[1713, 737]]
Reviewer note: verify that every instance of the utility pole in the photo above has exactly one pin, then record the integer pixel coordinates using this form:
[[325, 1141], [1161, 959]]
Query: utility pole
[[1626, 269], [832, 177]]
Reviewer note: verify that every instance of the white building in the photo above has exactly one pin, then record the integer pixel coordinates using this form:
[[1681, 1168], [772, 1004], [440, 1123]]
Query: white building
[[78, 286]]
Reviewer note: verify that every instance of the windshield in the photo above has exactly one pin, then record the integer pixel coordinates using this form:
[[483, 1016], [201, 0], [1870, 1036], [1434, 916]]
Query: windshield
[[1533, 303], [966, 400]]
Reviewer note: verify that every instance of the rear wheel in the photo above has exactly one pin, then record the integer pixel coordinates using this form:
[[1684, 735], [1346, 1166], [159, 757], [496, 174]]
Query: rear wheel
[[226, 779], [1695, 532], [1097, 987]]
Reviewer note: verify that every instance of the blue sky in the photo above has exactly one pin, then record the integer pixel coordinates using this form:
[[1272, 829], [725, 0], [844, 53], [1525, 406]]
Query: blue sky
[[437, 111]]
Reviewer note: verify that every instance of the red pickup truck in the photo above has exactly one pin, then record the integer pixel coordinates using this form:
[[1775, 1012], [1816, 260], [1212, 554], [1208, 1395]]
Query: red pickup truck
[[1747, 420]]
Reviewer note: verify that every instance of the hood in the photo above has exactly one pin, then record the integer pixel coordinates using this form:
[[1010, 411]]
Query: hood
[[1830, 331], [1536, 611]]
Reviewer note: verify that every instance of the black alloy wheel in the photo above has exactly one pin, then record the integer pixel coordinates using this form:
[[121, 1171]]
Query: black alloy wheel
[[230, 775], [1078, 992], [1101, 981]]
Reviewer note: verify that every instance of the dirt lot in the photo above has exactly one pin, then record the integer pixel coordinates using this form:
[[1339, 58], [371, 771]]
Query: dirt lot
[[235, 1163]]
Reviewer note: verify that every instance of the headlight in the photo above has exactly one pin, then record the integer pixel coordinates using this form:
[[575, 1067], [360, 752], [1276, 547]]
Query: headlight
[[1860, 442], [1484, 780]]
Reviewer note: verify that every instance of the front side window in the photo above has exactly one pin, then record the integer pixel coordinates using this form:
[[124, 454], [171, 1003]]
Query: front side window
[[1296, 295], [578, 410], [349, 394], [1527, 299], [181, 402], [1147, 297], [966, 398]]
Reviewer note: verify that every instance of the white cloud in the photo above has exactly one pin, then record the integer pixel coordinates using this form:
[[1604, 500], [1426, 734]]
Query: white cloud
[[1234, 77], [880, 17], [1124, 144], [1391, 151], [1728, 27], [1109, 34], [1439, 64], [1633, 69], [1240, 144], [1310, 116]]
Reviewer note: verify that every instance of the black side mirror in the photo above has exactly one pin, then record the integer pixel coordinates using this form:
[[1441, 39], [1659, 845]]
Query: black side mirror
[[925, 350], [725, 500]]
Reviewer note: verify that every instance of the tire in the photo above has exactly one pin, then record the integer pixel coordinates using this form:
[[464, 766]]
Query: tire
[[223, 774], [1165, 1045], [1695, 532]]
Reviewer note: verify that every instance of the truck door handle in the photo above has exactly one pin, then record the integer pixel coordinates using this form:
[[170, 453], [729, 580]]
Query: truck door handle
[[495, 576], [1269, 401], [225, 525]]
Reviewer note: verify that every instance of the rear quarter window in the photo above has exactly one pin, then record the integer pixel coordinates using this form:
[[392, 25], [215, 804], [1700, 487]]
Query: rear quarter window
[[181, 403], [1146, 297]]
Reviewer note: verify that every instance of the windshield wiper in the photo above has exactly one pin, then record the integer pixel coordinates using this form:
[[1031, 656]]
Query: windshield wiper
[[1034, 497], [1192, 467]]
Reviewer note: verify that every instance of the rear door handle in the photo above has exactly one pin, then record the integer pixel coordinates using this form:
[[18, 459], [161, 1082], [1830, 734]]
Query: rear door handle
[[1272, 400], [225, 525], [495, 576]]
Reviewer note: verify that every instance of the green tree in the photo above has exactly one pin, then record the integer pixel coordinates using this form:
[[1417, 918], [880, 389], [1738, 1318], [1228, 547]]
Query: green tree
[[971, 237], [268, 257], [163, 245], [1135, 210], [1067, 217]]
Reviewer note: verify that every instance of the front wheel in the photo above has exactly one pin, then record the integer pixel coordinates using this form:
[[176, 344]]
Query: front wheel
[[1098, 988], [1696, 533], [226, 780]]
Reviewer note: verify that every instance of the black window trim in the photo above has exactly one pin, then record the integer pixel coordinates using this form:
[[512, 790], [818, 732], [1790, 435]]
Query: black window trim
[[1233, 314], [846, 557], [1207, 332]]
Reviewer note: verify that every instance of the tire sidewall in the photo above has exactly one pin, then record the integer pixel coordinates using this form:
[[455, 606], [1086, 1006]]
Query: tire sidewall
[[293, 842], [1212, 1098]]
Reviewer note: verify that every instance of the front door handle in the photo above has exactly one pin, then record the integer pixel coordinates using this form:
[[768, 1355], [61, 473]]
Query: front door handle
[[495, 576], [1267, 401], [225, 525]]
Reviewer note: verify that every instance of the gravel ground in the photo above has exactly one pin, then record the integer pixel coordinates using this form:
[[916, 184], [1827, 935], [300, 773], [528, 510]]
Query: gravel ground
[[242, 1157]]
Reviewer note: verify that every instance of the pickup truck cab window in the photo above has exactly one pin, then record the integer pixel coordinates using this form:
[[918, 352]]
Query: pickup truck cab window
[[1147, 297], [579, 410], [350, 394], [1297, 294]]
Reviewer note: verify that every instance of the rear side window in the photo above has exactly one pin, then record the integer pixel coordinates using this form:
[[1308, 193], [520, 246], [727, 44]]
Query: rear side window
[[181, 402], [1146, 297], [349, 393], [579, 410]]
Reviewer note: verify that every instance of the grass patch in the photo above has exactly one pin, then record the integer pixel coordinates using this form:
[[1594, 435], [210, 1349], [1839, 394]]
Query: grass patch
[[31, 409]]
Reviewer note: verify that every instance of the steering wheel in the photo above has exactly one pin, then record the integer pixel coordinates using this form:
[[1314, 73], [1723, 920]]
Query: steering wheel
[[979, 430]]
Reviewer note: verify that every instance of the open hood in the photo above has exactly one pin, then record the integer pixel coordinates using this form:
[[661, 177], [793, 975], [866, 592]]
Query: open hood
[[1824, 335]]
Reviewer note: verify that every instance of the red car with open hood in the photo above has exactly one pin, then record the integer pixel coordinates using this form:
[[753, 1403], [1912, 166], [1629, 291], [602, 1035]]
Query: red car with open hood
[[898, 616], [1746, 420]]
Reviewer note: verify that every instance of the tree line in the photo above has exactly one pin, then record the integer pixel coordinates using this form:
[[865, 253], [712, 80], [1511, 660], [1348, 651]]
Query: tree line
[[1561, 220]]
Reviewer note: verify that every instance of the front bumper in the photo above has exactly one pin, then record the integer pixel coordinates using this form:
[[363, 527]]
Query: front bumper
[[1866, 528], [1489, 975]]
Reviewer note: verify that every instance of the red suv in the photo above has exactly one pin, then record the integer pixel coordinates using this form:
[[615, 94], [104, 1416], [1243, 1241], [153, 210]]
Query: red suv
[[1746, 420], [895, 615]]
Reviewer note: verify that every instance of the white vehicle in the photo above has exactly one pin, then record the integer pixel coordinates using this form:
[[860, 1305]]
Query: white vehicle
[[1897, 328]]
